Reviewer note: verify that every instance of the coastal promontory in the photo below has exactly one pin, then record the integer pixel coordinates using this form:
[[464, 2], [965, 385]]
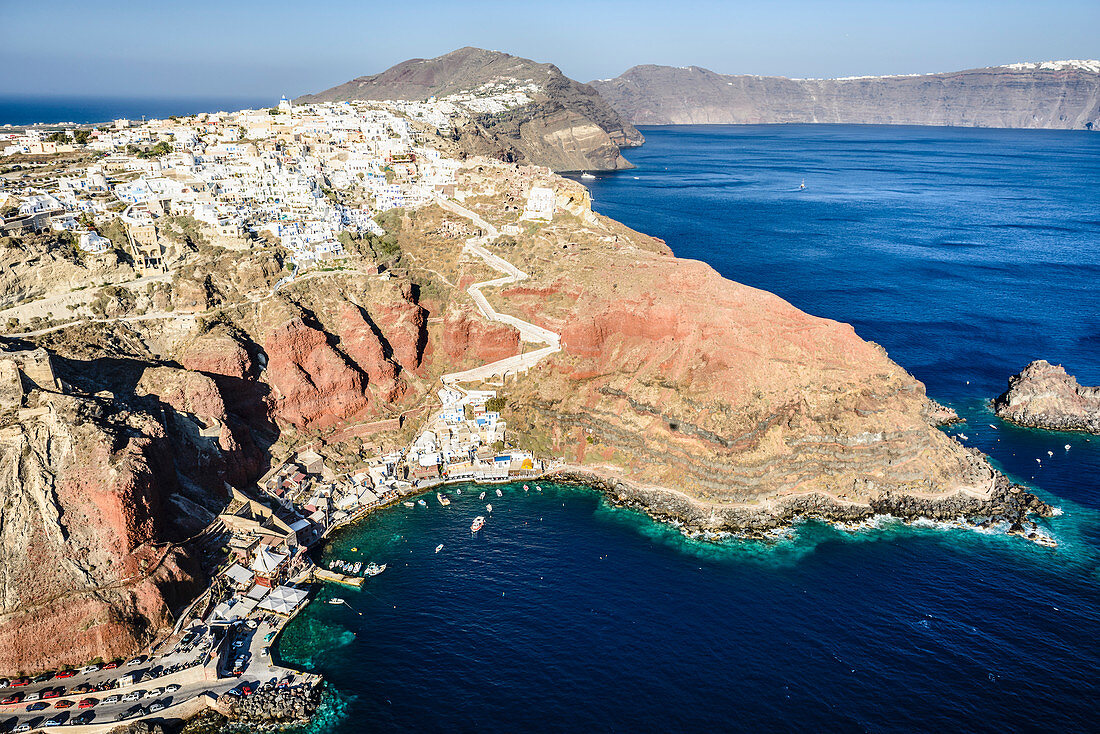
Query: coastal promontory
[[1044, 395], [513, 108]]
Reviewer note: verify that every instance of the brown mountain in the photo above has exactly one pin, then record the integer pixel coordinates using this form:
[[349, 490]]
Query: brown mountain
[[1057, 95], [567, 126]]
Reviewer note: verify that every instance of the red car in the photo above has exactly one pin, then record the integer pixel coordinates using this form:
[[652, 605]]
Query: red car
[[20, 682], [111, 665], [53, 692], [63, 704], [66, 674], [13, 698], [87, 703]]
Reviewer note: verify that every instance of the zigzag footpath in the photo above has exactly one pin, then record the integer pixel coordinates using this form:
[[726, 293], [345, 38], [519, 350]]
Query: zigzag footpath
[[528, 332]]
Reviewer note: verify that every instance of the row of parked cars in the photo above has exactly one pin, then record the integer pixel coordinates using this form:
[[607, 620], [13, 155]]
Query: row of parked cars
[[69, 672]]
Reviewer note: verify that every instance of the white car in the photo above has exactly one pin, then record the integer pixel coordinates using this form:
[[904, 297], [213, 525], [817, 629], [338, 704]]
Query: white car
[[154, 693], [133, 696], [172, 688], [33, 696], [112, 699]]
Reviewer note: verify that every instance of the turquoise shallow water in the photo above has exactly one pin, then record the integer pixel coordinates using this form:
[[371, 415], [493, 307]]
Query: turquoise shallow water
[[966, 253]]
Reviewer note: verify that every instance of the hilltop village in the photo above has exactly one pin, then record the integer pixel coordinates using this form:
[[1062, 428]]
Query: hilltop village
[[140, 203]]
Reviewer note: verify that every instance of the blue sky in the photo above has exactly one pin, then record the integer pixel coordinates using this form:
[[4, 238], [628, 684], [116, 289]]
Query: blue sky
[[250, 48]]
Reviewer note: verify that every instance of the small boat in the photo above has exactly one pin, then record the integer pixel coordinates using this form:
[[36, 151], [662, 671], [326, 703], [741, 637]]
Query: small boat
[[422, 503], [477, 524], [802, 185], [458, 491], [538, 487], [526, 488], [409, 504], [499, 493], [373, 569], [481, 496], [587, 176], [443, 499], [439, 548], [335, 600], [488, 508]]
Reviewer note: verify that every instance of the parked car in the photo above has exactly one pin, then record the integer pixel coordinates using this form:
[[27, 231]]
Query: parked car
[[112, 699], [43, 677], [94, 667], [84, 718], [20, 682], [4, 682], [112, 665], [33, 696], [38, 706], [87, 703], [53, 692], [154, 693], [137, 661], [155, 706], [56, 720], [25, 726], [63, 704], [13, 698], [66, 674], [172, 688], [82, 688], [133, 695]]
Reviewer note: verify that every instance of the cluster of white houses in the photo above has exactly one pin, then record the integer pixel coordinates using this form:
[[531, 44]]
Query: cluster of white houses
[[238, 175]]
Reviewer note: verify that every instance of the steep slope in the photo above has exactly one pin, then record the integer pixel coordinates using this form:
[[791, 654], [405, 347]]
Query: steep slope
[[1062, 94], [561, 123], [714, 403]]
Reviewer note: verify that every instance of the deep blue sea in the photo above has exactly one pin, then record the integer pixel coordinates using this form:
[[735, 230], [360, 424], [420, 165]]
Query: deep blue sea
[[966, 253], [27, 110]]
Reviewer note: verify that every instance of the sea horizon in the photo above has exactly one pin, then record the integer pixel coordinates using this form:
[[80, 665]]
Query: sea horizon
[[17, 110]]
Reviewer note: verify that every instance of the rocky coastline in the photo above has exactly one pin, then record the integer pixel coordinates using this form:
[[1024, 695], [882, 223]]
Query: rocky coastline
[[1044, 395], [1006, 502]]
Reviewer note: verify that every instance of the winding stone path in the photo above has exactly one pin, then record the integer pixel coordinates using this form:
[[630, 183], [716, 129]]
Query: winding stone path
[[528, 332]]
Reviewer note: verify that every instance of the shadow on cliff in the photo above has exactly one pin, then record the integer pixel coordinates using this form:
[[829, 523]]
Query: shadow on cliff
[[204, 464]]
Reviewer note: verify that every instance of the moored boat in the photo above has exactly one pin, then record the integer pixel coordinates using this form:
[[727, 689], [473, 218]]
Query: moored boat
[[481, 496], [422, 503], [499, 493], [409, 504], [488, 508], [477, 524], [373, 569], [335, 600], [443, 499]]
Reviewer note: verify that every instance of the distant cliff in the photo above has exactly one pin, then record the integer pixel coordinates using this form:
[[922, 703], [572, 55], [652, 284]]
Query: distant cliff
[[564, 125], [1053, 94]]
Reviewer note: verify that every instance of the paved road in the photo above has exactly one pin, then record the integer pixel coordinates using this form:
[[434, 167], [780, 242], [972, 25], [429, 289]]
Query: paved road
[[528, 332], [193, 682]]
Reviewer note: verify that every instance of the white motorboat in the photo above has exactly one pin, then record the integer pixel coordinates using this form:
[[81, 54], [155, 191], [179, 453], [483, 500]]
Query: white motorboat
[[409, 504], [477, 524], [373, 569], [443, 499], [422, 503], [481, 496], [587, 176], [488, 508], [335, 600], [439, 548], [499, 493]]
